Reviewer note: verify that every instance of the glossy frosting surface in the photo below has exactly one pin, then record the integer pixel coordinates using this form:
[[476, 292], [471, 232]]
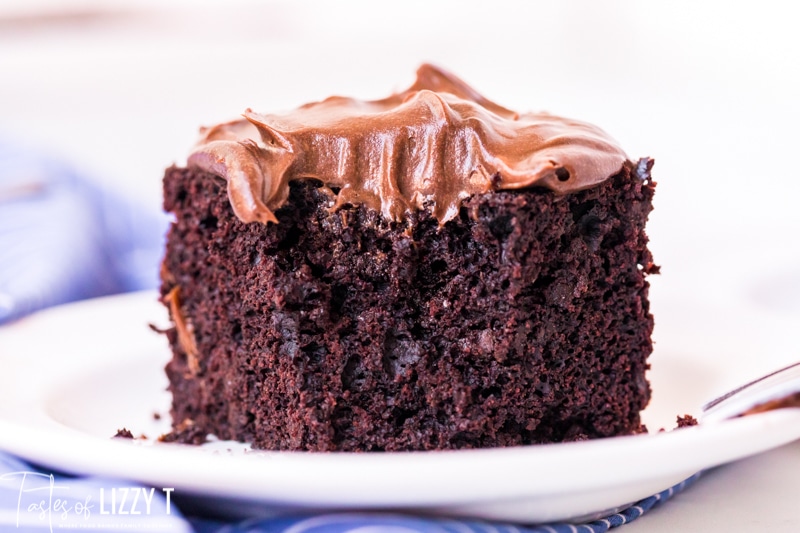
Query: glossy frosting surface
[[428, 147]]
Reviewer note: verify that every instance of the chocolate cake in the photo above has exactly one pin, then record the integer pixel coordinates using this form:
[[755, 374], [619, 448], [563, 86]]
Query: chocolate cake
[[427, 271]]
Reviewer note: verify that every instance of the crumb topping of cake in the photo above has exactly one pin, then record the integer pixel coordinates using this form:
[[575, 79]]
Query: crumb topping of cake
[[428, 147]]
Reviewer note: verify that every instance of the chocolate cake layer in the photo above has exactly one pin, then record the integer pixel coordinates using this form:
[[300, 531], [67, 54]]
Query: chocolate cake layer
[[522, 320]]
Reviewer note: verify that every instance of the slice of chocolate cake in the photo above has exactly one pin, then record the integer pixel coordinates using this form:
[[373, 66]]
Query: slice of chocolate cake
[[427, 271]]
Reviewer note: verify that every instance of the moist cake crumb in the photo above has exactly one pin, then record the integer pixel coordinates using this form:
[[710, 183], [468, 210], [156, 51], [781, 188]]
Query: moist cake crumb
[[123, 433]]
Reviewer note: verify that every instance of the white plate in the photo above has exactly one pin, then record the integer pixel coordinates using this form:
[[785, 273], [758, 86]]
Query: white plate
[[74, 375]]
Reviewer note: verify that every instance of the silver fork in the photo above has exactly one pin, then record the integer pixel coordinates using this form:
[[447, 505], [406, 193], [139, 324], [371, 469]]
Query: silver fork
[[776, 390]]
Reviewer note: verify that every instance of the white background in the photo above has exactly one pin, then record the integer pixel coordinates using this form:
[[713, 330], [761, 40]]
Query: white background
[[710, 90]]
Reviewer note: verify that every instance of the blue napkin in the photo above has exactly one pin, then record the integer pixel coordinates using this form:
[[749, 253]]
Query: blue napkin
[[64, 238]]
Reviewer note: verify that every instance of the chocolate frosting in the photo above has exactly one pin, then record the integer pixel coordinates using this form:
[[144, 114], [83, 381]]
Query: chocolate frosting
[[428, 147]]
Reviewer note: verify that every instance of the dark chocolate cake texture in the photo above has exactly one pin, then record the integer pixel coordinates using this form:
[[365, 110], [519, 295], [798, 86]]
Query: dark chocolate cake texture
[[427, 271]]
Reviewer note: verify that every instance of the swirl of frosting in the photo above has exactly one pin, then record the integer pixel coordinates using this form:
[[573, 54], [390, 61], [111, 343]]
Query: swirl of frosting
[[428, 147]]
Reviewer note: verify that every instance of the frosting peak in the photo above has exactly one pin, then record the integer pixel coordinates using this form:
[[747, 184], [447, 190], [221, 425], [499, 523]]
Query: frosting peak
[[428, 147]]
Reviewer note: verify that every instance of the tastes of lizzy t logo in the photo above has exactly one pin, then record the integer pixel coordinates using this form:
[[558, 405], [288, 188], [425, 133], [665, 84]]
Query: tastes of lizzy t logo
[[40, 500]]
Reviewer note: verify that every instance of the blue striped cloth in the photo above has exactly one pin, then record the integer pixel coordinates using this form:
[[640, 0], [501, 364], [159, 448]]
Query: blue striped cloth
[[397, 523], [63, 238]]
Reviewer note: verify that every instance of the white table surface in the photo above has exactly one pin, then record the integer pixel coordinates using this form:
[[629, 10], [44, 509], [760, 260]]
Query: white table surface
[[119, 88]]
